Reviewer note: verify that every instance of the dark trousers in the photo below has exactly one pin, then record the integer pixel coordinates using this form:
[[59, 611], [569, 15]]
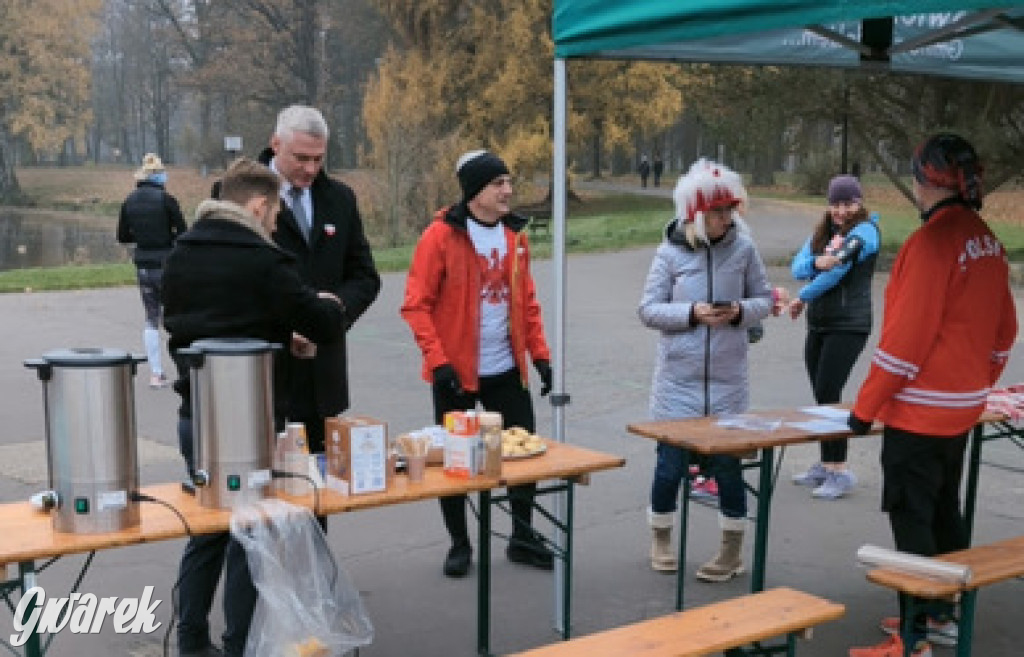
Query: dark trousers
[[830, 357], [201, 564], [150, 284], [921, 494], [505, 394]]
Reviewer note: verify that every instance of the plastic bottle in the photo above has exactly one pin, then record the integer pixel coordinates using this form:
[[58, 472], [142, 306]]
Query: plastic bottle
[[490, 437]]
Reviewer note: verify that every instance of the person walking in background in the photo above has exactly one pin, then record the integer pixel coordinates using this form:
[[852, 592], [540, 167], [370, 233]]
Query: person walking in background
[[321, 226], [151, 219], [227, 279], [948, 326], [658, 168], [838, 260], [472, 307], [706, 286], [644, 169]]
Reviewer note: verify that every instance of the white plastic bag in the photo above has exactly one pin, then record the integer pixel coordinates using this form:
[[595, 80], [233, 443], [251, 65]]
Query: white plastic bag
[[307, 606]]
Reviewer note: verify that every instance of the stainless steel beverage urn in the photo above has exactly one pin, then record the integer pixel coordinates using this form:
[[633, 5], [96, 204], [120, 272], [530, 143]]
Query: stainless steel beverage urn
[[91, 452], [232, 419]]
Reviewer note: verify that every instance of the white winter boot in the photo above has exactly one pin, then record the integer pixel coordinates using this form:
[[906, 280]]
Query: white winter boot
[[728, 562], [663, 559]]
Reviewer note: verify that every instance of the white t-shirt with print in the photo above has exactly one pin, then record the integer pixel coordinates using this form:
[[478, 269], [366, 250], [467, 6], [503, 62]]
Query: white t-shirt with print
[[492, 249]]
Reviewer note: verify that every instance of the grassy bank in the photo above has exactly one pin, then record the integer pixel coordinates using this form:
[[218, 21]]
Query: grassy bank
[[605, 222]]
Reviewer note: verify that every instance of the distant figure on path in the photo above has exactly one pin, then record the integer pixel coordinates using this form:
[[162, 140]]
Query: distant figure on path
[[659, 168], [151, 219], [644, 169]]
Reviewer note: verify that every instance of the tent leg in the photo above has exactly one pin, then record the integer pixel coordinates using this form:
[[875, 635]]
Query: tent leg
[[558, 396]]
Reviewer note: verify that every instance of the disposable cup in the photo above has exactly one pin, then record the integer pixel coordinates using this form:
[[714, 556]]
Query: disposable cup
[[416, 467]]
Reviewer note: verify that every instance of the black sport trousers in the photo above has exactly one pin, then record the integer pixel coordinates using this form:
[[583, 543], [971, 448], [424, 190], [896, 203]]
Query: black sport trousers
[[830, 357], [921, 493], [505, 394]]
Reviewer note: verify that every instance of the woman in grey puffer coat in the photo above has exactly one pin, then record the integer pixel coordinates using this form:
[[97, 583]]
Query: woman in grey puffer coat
[[706, 286]]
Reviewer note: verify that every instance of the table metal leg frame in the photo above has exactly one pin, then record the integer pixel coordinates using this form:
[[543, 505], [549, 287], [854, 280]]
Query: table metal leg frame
[[980, 435], [483, 635], [763, 493], [758, 649], [27, 572], [965, 624], [684, 521], [764, 506]]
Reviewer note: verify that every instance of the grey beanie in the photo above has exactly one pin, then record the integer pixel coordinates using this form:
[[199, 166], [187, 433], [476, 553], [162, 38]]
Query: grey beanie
[[844, 189]]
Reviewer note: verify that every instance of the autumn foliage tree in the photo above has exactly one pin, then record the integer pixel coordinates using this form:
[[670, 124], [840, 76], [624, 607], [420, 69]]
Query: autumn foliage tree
[[483, 72], [44, 77]]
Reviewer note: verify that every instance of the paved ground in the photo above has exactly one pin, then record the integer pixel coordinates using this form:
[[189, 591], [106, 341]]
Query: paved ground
[[394, 555]]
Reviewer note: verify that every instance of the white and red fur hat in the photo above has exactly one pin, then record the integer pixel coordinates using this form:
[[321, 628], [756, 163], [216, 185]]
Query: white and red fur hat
[[708, 186]]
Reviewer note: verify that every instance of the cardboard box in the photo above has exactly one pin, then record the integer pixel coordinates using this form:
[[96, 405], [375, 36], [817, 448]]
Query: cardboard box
[[357, 452]]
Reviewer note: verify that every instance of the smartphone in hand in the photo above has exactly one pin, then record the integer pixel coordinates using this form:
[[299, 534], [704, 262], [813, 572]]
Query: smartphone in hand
[[721, 305]]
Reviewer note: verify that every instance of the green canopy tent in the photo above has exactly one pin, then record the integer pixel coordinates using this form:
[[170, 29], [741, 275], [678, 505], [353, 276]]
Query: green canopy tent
[[951, 38], [961, 39]]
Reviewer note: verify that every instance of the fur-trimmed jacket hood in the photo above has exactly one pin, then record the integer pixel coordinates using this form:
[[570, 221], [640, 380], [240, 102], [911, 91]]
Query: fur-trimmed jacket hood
[[229, 211]]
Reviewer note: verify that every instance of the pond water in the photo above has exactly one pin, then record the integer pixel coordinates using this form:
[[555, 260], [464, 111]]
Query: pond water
[[50, 238]]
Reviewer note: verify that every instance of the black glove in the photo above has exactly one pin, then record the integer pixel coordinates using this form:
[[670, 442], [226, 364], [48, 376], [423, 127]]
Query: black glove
[[445, 378], [858, 426], [544, 369]]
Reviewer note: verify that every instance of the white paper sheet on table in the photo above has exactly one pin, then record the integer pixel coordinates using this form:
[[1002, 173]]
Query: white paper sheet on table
[[820, 426], [827, 412], [749, 422]]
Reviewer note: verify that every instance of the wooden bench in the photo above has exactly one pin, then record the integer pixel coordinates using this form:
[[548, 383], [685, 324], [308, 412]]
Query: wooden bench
[[538, 220], [728, 626], [989, 564]]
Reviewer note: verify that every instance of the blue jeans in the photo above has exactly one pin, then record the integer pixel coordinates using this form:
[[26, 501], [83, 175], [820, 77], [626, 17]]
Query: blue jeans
[[669, 473]]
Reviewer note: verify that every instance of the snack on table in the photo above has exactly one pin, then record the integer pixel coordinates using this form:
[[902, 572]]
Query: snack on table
[[517, 443], [311, 647]]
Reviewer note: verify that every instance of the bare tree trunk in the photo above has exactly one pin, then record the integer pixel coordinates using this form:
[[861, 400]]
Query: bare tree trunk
[[763, 171], [9, 188]]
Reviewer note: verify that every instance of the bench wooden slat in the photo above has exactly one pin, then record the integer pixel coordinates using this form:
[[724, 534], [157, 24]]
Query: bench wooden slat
[[704, 630], [990, 564]]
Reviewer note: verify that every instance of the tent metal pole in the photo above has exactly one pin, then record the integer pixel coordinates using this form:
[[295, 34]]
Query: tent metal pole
[[559, 398]]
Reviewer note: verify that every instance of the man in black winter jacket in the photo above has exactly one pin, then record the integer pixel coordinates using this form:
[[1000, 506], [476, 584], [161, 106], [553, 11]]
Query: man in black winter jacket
[[151, 220], [226, 278]]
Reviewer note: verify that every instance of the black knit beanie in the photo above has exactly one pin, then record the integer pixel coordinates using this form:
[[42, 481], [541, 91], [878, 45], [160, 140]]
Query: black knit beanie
[[476, 170]]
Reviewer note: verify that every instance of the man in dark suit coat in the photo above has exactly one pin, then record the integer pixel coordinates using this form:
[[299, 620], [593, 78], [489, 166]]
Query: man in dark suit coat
[[325, 234]]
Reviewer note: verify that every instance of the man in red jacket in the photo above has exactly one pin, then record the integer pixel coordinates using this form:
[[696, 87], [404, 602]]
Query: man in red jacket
[[947, 329], [471, 304]]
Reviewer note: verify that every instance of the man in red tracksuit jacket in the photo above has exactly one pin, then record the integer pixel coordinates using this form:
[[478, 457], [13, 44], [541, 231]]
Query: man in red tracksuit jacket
[[471, 304], [948, 325]]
